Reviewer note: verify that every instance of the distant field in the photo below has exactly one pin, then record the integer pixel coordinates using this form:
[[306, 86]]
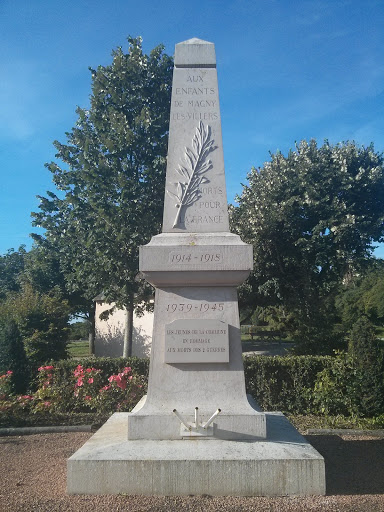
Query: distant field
[[78, 348]]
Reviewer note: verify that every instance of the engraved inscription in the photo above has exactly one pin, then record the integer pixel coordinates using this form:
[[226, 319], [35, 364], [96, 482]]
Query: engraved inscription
[[195, 78], [196, 164], [203, 219], [197, 116], [193, 258], [202, 307], [194, 90], [196, 341]]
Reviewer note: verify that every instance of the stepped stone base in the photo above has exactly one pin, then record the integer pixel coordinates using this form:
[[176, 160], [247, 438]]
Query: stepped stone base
[[283, 464]]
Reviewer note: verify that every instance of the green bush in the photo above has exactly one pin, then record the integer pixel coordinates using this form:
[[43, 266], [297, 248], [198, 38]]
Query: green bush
[[354, 384], [284, 383], [42, 320], [13, 358]]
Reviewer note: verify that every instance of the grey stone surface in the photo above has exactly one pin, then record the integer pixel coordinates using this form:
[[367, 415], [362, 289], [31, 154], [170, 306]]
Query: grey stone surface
[[195, 266], [184, 386], [196, 259], [195, 52], [283, 464], [195, 198]]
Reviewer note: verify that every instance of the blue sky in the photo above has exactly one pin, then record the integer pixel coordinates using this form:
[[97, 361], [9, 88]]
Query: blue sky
[[287, 71]]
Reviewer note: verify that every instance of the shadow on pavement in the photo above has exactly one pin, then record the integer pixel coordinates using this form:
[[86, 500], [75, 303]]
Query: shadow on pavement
[[352, 466]]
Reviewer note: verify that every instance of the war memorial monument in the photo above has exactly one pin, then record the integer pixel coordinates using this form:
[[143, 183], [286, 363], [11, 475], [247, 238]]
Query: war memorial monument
[[196, 431]]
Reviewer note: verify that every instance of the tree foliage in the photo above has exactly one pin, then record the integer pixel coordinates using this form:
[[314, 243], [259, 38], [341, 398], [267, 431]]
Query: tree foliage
[[312, 217], [110, 192], [11, 267], [363, 296]]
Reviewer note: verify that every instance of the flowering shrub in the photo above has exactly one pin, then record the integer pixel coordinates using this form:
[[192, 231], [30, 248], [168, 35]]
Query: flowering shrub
[[46, 394], [25, 401], [6, 399], [123, 391], [86, 386], [5, 385], [85, 391]]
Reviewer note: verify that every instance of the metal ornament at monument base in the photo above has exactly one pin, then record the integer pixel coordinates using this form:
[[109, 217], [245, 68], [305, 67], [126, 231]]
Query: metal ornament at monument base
[[196, 431]]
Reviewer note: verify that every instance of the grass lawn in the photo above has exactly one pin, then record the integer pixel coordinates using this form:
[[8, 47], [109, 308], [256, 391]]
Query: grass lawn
[[78, 348]]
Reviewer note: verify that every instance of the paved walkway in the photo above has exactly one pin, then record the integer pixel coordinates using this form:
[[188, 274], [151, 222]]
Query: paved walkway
[[266, 348]]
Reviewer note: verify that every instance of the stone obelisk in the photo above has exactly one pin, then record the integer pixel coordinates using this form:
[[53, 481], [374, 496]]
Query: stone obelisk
[[195, 432], [195, 265]]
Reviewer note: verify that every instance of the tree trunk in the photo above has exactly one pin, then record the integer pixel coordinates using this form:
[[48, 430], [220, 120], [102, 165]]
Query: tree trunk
[[92, 326], [128, 331]]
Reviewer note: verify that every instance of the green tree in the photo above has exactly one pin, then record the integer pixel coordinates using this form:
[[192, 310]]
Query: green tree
[[110, 195], [363, 296], [312, 217], [78, 331], [11, 267]]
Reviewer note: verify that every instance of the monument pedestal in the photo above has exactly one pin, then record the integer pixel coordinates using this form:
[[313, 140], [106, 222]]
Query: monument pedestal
[[284, 464], [196, 358]]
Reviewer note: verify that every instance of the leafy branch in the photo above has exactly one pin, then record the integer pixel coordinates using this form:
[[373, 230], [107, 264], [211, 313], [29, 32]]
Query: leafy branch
[[196, 164]]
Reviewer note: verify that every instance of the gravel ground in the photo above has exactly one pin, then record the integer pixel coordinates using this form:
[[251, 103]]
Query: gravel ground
[[33, 478]]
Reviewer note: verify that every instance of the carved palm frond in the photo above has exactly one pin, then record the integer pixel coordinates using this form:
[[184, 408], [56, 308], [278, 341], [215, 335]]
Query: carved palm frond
[[192, 171]]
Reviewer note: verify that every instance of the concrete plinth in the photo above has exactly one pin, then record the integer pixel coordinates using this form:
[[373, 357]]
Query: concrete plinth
[[284, 464]]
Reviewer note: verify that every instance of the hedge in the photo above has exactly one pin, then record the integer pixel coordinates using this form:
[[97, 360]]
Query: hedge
[[276, 383], [291, 384], [284, 383]]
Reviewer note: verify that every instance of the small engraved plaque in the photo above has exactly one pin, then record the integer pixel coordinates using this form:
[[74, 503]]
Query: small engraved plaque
[[196, 341]]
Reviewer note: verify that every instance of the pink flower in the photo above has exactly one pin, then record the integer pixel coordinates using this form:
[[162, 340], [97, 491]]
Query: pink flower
[[48, 368], [111, 378], [88, 370], [105, 388], [130, 377], [121, 383], [90, 380], [87, 397], [127, 369], [47, 404], [78, 371], [79, 381]]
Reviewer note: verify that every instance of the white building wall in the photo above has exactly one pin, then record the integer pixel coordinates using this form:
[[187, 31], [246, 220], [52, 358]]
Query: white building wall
[[109, 334]]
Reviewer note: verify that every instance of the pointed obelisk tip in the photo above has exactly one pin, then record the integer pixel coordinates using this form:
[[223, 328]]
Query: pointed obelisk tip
[[195, 52]]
